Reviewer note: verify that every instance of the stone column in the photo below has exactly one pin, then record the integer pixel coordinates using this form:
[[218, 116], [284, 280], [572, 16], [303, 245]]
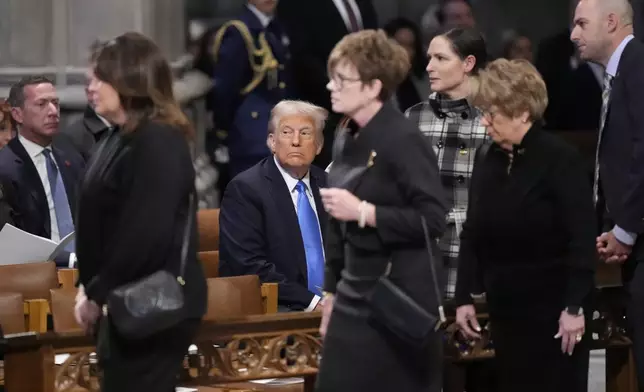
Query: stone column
[[52, 36]]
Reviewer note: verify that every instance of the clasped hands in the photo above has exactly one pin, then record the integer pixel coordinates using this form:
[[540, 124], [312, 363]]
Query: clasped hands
[[611, 250], [86, 311]]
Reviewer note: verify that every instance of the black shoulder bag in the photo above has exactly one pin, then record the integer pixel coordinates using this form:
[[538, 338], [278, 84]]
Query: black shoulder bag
[[400, 314], [154, 303]]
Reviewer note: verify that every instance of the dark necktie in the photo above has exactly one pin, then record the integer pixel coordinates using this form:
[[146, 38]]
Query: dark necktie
[[61, 203], [310, 229], [353, 19]]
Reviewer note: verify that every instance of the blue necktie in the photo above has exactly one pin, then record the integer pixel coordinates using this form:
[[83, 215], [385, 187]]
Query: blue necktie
[[61, 204], [312, 240]]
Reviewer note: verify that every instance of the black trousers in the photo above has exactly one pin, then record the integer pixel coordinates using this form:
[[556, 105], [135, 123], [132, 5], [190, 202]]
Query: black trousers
[[633, 275], [529, 359], [150, 364]]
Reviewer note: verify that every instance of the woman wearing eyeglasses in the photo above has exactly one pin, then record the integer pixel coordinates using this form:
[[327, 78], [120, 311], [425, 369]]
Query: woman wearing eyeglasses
[[529, 237], [384, 182]]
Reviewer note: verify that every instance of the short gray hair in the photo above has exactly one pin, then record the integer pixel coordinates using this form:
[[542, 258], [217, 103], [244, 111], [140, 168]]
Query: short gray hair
[[288, 108]]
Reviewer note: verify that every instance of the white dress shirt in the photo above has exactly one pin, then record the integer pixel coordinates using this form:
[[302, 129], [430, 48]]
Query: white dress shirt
[[35, 152], [339, 4], [264, 19], [291, 182]]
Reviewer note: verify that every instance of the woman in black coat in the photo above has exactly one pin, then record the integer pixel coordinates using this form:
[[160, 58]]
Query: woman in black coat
[[133, 210], [529, 237], [376, 220]]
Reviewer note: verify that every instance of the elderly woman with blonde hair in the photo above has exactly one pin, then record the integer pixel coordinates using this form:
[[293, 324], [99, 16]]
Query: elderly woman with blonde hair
[[529, 237]]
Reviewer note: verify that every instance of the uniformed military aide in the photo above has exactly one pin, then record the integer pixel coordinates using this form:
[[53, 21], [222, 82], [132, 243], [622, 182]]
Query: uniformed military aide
[[251, 76]]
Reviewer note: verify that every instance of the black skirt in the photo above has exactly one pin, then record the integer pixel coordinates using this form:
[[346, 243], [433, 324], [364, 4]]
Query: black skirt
[[359, 356], [529, 358], [150, 364]]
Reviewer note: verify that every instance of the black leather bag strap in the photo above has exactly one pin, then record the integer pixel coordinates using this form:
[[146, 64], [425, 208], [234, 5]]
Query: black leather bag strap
[[437, 290], [186, 238]]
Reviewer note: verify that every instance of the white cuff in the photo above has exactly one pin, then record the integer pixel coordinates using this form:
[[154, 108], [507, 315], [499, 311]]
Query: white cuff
[[72, 260], [313, 304]]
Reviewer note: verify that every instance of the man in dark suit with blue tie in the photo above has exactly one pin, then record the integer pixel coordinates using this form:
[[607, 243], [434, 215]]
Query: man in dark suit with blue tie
[[272, 221], [603, 33], [43, 172], [252, 74]]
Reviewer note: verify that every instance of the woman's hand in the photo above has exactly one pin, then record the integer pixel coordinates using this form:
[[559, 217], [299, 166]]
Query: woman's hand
[[571, 331], [467, 322], [327, 309], [86, 311], [340, 204]]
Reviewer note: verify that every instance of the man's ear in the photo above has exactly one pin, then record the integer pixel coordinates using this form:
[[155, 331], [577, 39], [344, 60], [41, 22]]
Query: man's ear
[[17, 115], [270, 142]]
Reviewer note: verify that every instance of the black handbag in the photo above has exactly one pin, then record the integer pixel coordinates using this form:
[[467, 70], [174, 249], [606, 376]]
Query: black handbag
[[399, 313], [154, 303]]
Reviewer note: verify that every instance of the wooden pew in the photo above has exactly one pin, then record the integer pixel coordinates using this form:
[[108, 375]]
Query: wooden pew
[[33, 281], [29, 359]]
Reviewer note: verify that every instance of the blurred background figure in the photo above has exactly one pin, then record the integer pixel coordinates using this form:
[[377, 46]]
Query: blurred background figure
[[517, 46], [415, 87], [252, 72], [7, 131]]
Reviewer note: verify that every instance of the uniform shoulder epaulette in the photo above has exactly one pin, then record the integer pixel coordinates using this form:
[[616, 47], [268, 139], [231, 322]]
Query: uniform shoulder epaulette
[[262, 51]]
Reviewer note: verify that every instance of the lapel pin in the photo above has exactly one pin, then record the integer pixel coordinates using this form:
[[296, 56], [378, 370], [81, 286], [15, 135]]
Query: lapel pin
[[372, 157], [68, 163]]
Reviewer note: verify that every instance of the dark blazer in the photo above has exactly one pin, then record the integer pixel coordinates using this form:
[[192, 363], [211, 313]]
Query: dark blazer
[[260, 233], [621, 154], [530, 232], [244, 117], [315, 27], [27, 198], [574, 93], [132, 214], [86, 132], [403, 182]]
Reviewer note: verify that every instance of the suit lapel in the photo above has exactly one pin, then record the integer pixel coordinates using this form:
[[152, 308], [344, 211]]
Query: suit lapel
[[284, 203], [33, 185]]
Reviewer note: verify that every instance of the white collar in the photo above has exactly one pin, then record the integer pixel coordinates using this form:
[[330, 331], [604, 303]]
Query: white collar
[[32, 148], [264, 19], [611, 67], [291, 181], [104, 120]]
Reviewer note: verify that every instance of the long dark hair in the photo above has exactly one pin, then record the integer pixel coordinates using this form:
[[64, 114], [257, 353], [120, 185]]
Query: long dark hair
[[135, 67]]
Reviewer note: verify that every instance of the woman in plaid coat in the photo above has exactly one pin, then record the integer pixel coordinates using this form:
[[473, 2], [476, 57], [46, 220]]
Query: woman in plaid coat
[[454, 129], [453, 126]]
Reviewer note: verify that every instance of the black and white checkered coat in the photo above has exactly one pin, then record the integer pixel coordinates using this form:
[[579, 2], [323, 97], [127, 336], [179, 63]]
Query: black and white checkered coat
[[455, 131]]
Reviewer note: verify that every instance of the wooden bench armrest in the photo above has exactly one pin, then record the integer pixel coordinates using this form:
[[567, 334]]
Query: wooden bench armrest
[[36, 311], [269, 297]]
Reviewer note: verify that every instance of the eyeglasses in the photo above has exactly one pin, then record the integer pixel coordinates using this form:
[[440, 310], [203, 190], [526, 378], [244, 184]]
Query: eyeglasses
[[340, 81], [488, 114]]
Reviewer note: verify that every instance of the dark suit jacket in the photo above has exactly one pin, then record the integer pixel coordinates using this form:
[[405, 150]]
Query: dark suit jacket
[[245, 117], [132, 213], [402, 180], [315, 27], [621, 154], [530, 229], [260, 233], [28, 199], [86, 131], [574, 94]]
